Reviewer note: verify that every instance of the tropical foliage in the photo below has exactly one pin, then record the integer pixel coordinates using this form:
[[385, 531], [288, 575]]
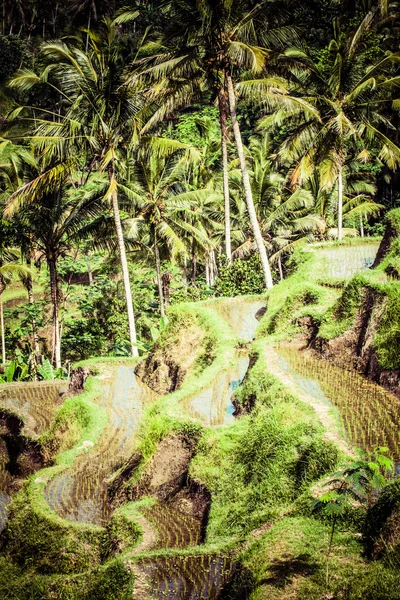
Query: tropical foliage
[[143, 154]]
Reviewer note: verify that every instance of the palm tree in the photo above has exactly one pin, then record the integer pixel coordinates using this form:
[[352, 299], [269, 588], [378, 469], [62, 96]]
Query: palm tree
[[56, 216], [336, 114], [358, 202], [165, 211], [98, 115], [286, 218], [218, 39]]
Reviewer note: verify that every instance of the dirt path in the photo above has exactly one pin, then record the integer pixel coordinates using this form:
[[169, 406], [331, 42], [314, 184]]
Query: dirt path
[[322, 410]]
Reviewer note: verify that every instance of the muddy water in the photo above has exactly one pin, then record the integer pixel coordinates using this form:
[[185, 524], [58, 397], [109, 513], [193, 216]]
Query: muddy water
[[80, 494], [370, 414], [36, 404]]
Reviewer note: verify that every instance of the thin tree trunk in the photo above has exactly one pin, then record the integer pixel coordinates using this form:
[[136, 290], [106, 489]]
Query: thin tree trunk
[[90, 273], [223, 118], [124, 264], [280, 267], [361, 226], [207, 271], [3, 334], [31, 300], [340, 201], [329, 552], [194, 266], [158, 269], [247, 187], [185, 274], [56, 354], [88, 26]]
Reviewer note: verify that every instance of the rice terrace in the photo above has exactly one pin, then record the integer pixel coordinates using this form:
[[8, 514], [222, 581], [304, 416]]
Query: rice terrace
[[199, 300]]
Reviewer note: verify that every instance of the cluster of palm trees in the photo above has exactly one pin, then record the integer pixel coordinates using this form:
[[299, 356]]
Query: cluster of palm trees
[[100, 165]]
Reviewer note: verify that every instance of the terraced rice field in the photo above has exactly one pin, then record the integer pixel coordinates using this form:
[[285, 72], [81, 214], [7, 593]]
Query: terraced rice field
[[369, 413], [174, 528], [343, 262], [213, 405], [199, 577], [35, 404], [80, 494]]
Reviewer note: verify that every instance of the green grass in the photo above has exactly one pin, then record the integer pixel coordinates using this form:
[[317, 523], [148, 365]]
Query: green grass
[[289, 562]]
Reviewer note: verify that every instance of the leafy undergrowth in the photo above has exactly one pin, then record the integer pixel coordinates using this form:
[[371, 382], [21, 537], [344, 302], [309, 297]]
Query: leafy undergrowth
[[109, 582]]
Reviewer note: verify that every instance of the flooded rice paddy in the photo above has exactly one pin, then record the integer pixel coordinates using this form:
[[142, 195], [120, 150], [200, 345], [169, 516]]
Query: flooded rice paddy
[[343, 262], [370, 415], [80, 494]]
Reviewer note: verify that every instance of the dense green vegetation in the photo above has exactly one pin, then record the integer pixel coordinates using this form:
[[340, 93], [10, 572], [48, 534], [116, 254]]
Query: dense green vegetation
[[168, 170], [153, 154]]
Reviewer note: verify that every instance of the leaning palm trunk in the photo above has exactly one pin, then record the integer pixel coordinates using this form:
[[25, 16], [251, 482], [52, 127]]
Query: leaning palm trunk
[[56, 354], [340, 201], [124, 265], [223, 119], [158, 270], [247, 187]]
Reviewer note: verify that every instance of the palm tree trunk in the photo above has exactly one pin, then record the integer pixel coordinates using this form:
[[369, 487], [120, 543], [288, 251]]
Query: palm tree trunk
[[158, 269], [223, 119], [56, 355], [3, 334], [280, 267], [361, 226], [208, 281], [247, 187], [88, 26], [31, 300], [124, 265], [340, 201]]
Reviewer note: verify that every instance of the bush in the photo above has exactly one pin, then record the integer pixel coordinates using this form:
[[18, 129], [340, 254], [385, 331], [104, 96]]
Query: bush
[[240, 278], [382, 529]]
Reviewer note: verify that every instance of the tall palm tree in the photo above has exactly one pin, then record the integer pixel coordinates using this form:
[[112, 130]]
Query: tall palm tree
[[339, 112], [218, 39], [165, 210], [98, 115], [55, 216]]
